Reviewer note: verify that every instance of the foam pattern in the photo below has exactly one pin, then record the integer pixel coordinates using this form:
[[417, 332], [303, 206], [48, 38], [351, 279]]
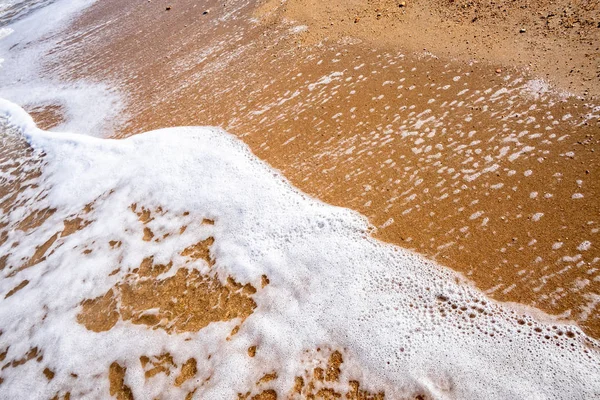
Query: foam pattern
[[31, 77], [411, 325]]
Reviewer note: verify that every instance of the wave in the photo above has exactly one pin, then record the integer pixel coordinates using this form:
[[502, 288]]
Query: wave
[[303, 275]]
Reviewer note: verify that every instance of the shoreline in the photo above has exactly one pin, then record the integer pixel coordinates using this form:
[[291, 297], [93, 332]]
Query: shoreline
[[488, 172], [368, 221], [509, 132], [427, 292]]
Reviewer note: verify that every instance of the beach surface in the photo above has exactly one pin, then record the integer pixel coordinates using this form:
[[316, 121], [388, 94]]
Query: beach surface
[[465, 135]]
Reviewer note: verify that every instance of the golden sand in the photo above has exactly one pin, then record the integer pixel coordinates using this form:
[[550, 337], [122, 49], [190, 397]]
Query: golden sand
[[554, 39], [187, 301], [501, 187], [321, 380]]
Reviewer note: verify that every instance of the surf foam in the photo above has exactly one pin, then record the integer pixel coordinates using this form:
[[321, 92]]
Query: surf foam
[[410, 325], [32, 34]]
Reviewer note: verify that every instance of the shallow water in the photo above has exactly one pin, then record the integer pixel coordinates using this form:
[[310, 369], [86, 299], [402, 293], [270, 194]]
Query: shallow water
[[305, 275], [13, 10], [111, 252]]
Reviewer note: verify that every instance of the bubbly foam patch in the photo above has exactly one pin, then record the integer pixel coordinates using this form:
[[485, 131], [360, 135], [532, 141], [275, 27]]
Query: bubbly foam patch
[[100, 209], [30, 71]]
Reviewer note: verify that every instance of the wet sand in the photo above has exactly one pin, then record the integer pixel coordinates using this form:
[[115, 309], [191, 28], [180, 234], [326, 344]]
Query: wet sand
[[479, 165], [430, 119], [553, 40], [187, 302]]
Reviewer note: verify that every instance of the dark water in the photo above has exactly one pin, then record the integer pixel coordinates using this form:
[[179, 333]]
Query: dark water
[[13, 10]]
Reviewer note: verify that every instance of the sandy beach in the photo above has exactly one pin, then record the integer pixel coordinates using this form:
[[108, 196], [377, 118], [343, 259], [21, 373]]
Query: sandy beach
[[502, 179], [465, 132]]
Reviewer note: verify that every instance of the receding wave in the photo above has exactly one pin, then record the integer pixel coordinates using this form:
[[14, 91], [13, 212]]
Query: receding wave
[[13, 10], [175, 262]]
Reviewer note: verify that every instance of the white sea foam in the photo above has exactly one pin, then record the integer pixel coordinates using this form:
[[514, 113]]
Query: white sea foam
[[405, 321], [89, 107], [4, 32]]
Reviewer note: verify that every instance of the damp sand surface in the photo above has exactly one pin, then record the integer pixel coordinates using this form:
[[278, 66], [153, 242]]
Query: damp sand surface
[[228, 282], [472, 161]]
